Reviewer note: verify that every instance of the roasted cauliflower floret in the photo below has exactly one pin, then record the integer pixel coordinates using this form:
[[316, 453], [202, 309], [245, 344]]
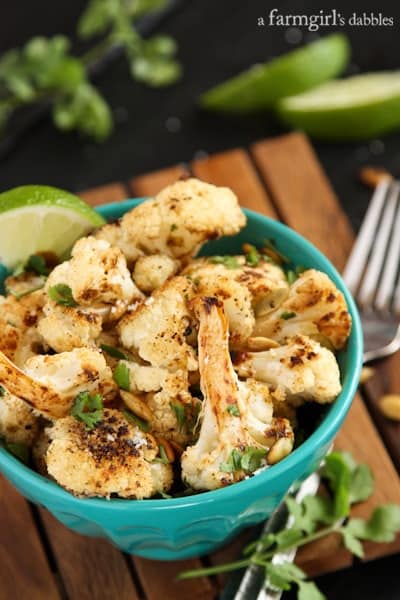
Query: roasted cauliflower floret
[[158, 328], [66, 327], [151, 272], [18, 423], [96, 273], [243, 289], [50, 383], [314, 307], [19, 336], [302, 369], [115, 457], [232, 441], [177, 221]]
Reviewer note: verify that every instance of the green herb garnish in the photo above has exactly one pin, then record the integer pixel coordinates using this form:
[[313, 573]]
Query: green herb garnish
[[121, 376], [37, 264], [2, 391], [180, 414], [290, 276], [230, 262], [135, 420], [270, 245], [233, 410], [19, 295], [233, 463], [62, 294], [114, 352], [316, 517], [163, 458], [174, 227], [249, 460], [88, 409], [253, 256], [287, 315]]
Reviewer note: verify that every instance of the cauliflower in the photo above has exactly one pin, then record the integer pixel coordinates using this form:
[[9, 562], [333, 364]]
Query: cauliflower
[[158, 328], [236, 415], [115, 457], [18, 423], [177, 221], [50, 383], [97, 274], [151, 272], [19, 335], [302, 369], [242, 288], [314, 307], [66, 327]]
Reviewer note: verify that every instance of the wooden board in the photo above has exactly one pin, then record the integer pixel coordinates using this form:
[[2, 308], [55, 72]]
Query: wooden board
[[280, 178]]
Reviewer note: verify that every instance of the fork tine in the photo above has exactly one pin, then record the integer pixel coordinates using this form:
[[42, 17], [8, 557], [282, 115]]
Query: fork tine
[[374, 267], [359, 254], [391, 266]]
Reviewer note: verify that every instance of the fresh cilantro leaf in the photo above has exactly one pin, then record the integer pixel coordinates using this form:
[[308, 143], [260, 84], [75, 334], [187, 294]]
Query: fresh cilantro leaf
[[307, 590], [114, 352], [302, 520], [320, 509], [284, 574], [62, 294], [230, 262], [233, 410], [338, 473], [251, 459], [382, 526], [88, 409], [291, 276], [266, 541], [253, 256], [2, 391], [361, 484], [288, 537], [180, 414], [233, 463], [135, 420], [162, 458], [352, 543], [37, 264], [287, 315], [121, 376]]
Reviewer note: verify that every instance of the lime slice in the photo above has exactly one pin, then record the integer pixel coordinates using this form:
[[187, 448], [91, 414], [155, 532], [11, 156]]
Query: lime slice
[[262, 85], [35, 218], [360, 107]]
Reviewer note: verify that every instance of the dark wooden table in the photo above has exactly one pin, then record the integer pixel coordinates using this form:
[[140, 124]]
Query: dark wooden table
[[41, 560]]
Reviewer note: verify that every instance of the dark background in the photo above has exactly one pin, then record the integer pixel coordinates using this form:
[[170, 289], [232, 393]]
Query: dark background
[[217, 38]]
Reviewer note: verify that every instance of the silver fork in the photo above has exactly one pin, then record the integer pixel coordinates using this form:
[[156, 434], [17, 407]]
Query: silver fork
[[372, 272]]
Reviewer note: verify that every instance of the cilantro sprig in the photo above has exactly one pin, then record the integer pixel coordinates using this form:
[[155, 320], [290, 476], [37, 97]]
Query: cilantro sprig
[[249, 460], [88, 409], [316, 517], [61, 293], [44, 69]]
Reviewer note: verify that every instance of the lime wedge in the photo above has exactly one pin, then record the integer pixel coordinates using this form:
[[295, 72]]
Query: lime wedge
[[35, 218], [360, 107], [262, 85]]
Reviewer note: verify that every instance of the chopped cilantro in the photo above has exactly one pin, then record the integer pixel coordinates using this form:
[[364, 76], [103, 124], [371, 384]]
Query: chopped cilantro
[[114, 352], [135, 420], [287, 315], [2, 391], [62, 294], [230, 262], [233, 410], [88, 409], [162, 458], [121, 376], [180, 413], [252, 458]]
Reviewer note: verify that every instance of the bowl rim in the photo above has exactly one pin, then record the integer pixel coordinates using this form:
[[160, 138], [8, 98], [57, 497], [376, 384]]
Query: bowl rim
[[51, 491]]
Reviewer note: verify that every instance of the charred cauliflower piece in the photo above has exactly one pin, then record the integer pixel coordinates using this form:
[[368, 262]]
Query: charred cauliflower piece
[[244, 291], [151, 272], [19, 335], [66, 327], [115, 457], [97, 274], [158, 328], [177, 221], [302, 369], [18, 423], [233, 441], [50, 383], [314, 307]]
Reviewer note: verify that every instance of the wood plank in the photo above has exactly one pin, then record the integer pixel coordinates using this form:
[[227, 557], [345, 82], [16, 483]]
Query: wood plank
[[159, 580], [90, 568], [235, 169], [113, 192], [24, 570], [295, 179], [303, 195], [151, 183]]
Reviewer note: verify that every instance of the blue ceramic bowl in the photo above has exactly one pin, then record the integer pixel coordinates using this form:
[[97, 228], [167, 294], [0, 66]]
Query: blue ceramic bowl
[[183, 527]]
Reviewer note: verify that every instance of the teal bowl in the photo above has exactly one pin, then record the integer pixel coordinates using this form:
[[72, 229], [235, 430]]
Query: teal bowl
[[179, 528]]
